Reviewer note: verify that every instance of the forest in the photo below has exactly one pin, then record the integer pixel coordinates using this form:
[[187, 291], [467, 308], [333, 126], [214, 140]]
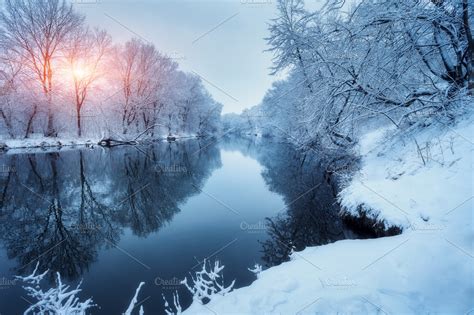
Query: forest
[[355, 66], [60, 77]]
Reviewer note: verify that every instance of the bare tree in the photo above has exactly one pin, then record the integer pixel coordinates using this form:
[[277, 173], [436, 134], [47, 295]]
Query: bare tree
[[36, 30], [85, 57], [287, 40], [57, 55], [8, 75], [142, 72], [133, 77]]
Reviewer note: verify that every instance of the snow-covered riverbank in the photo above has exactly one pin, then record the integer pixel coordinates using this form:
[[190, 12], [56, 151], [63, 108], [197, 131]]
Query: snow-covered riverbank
[[42, 144], [48, 144], [425, 186]]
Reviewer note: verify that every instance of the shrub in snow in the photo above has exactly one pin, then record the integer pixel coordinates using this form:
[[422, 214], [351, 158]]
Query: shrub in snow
[[204, 285], [176, 305], [207, 283], [257, 268], [134, 302], [59, 300]]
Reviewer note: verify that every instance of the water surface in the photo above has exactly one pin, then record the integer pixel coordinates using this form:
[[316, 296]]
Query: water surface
[[115, 217]]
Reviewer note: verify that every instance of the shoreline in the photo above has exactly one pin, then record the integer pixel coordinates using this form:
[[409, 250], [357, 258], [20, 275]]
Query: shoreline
[[53, 144]]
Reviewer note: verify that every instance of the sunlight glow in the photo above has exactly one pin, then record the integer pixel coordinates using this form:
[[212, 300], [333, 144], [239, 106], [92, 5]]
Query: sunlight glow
[[80, 72]]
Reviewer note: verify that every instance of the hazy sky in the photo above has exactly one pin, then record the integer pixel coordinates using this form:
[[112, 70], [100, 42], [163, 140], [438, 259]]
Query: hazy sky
[[221, 41]]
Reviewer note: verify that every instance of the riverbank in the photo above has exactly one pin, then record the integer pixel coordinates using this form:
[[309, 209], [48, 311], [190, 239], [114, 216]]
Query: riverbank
[[47, 144], [422, 185]]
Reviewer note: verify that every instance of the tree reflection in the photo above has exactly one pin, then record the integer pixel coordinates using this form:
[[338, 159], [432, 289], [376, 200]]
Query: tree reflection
[[311, 216], [61, 208]]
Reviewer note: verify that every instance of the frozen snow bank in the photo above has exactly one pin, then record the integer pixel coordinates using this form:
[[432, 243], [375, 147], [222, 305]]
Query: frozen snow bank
[[45, 143], [424, 186], [413, 182]]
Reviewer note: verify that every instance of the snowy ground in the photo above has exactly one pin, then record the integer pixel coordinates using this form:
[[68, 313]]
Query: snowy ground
[[425, 188]]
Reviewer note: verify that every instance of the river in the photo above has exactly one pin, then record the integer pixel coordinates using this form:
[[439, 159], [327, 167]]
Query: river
[[153, 213]]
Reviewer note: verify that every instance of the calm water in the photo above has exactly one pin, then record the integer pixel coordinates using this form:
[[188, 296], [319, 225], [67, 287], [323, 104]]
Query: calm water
[[115, 217]]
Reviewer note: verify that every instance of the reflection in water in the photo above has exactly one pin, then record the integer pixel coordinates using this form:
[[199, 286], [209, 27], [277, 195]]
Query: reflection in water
[[61, 208], [311, 216], [66, 209]]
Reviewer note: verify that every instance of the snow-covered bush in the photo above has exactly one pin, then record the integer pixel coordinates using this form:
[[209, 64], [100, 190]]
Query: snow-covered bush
[[257, 268], [203, 285], [59, 300], [207, 283], [176, 308]]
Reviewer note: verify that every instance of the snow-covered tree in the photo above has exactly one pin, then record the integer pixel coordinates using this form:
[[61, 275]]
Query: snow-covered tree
[[288, 38], [362, 63], [56, 71], [137, 64], [36, 31], [85, 58]]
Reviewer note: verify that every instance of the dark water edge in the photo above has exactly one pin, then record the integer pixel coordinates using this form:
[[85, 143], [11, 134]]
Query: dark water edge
[[363, 222], [72, 210]]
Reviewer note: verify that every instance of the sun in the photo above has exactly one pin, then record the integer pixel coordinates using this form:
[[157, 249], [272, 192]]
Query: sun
[[80, 72]]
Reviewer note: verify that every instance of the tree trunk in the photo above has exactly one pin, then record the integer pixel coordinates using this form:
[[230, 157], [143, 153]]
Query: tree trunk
[[29, 126], [300, 59], [470, 48], [79, 129], [8, 123], [50, 131]]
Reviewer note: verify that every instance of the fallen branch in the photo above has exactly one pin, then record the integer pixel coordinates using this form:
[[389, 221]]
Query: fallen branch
[[109, 142]]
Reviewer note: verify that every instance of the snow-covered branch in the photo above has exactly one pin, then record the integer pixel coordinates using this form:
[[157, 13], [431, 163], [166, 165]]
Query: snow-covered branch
[[208, 282], [60, 300]]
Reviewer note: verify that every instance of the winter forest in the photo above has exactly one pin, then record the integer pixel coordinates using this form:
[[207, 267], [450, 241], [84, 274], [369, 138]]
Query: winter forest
[[61, 77], [236, 157], [400, 62]]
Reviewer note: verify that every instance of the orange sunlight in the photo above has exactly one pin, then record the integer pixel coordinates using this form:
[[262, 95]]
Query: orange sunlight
[[80, 71]]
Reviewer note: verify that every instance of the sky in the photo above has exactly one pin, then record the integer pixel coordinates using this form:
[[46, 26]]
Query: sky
[[221, 41]]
